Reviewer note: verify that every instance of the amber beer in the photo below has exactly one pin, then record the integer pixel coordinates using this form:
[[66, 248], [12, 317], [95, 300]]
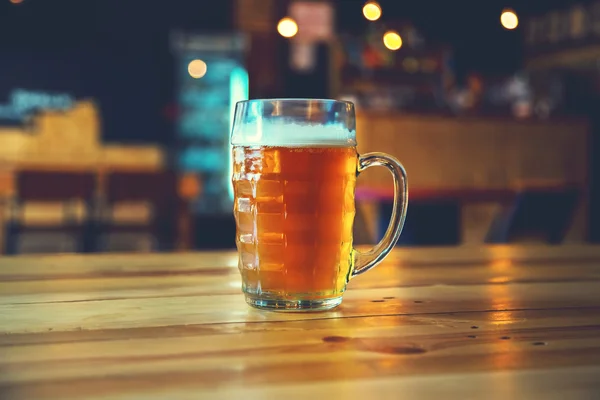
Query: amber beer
[[294, 209], [294, 171]]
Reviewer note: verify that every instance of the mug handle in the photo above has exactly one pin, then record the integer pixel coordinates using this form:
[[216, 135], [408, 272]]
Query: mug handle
[[365, 261]]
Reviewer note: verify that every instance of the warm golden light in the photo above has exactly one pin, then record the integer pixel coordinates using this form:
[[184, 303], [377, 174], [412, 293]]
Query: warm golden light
[[16, 1], [509, 19], [372, 11], [197, 68], [287, 27], [392, 40]]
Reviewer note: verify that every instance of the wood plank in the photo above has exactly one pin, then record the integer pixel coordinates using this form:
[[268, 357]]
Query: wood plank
[[45, 280], [216, 273], [185, 310], [227, 281], [467, 322], [561, 383], [251, 355], [121, 265]]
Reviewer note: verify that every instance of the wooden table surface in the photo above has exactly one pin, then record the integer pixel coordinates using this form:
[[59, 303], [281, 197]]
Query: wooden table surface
[[496, 322]]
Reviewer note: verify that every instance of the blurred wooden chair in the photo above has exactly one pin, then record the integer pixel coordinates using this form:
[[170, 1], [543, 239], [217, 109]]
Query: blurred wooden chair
[[69, 189], [157, 191]]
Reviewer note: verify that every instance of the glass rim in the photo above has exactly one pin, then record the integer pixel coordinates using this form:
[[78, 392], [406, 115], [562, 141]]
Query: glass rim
[[295, 100]]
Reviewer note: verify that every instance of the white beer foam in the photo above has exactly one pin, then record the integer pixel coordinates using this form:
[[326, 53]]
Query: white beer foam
[[290, 134]]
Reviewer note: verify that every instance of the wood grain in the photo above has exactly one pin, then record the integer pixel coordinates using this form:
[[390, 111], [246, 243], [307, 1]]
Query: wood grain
[[469, 322]]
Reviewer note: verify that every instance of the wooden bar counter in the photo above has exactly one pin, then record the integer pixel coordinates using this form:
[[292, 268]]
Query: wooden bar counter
[[480, 162], [481, 322]]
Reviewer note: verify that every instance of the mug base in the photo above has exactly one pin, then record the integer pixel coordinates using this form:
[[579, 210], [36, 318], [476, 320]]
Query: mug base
[[293, 305]]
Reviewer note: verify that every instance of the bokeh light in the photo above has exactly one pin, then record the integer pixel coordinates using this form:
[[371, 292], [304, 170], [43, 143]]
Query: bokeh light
[[287, 27], [16, 1], [392, 40], [197, 68], [509, 19], [372, 11]]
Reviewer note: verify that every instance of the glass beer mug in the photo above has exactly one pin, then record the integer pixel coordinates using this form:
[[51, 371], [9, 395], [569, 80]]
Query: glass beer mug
[[295, 166]]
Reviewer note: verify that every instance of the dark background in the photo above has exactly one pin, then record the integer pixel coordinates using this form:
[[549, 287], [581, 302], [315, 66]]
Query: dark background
[[117, 51]]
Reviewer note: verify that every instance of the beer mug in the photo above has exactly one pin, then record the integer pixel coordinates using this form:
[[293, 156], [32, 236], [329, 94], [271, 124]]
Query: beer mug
[[295, 166]]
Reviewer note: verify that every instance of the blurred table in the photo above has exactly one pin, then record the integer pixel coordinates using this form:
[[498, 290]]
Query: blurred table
[[137, 211], [469, 322], [480, 161]]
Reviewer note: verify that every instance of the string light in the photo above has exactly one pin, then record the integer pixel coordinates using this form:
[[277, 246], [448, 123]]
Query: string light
[[392, 40], [197, 68], [509, 19], [287, 27], [372, 11]]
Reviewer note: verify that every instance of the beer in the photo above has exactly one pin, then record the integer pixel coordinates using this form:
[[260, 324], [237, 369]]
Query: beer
[[294, 172], [294, 210]]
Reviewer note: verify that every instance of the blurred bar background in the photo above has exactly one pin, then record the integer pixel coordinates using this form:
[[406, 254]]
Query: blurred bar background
[[115, 115]]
